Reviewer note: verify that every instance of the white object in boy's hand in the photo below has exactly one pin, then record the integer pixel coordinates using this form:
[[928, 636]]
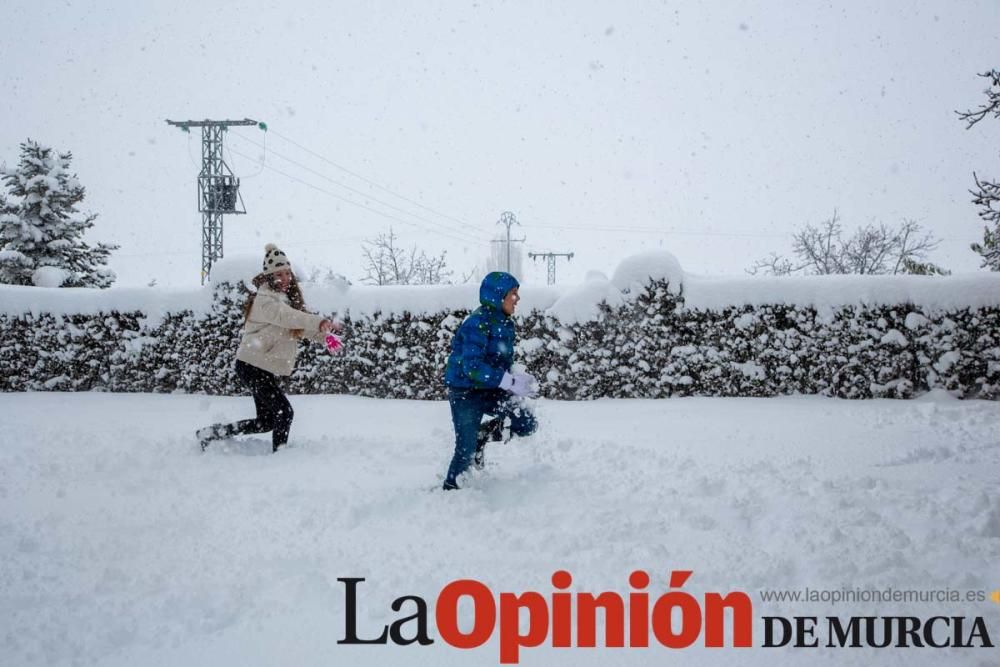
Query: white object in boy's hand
[[523, 384]]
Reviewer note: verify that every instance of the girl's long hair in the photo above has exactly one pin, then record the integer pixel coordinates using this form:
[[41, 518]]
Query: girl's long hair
[[294, 292]]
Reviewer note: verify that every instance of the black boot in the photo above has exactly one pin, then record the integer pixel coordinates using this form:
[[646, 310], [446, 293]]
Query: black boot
[[209, 433], [491, 431]]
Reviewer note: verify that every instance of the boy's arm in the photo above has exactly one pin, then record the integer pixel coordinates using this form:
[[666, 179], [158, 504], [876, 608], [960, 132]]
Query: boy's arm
[[472, 352]]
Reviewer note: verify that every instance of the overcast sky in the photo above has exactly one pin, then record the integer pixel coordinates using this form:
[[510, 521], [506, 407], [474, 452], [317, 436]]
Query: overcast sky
[[709, 129]]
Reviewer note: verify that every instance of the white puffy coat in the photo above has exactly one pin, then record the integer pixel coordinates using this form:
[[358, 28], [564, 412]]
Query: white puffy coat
[[267, 341]]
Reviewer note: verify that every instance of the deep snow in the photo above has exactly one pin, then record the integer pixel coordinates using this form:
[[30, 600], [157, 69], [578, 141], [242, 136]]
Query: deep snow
[[123, 544]]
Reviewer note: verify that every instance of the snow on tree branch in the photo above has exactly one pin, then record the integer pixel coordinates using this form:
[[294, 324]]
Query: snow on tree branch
[[987, 193], [993, 101]]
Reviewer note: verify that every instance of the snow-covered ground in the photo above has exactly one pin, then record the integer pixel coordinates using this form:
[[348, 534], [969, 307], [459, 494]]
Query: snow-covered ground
[[122, 544]]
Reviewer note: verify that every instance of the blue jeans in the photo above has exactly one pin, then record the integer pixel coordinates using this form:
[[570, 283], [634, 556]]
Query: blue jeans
[[467, 409]]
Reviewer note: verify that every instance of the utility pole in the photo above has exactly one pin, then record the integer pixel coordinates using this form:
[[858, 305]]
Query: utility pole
[[509, 220], [551, 257], [218, 188]]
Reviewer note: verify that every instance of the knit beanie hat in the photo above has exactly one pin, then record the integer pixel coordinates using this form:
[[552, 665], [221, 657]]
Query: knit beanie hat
[[274, 260]]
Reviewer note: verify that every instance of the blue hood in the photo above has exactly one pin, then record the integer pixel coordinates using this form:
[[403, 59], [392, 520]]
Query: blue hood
[[495, 287]]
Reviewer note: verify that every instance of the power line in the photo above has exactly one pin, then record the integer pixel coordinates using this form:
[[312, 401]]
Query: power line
[[369, 181], [654, 230], [312, 242], [367, 196], [354, 203], [260, 162], [480, 236], [686, 232]]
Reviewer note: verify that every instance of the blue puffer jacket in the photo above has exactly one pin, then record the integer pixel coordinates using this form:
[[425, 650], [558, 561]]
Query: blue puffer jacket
[[483, 347]]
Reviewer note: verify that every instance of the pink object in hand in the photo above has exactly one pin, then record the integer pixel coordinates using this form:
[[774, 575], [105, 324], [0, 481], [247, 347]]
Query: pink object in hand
[[333, 344]]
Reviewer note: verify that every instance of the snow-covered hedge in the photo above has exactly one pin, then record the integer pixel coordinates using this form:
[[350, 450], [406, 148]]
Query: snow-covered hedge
[[650, 331]]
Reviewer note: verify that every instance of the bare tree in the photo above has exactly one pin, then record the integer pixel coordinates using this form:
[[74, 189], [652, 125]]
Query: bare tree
[[911, 246], [820, 249], [430, 270], [873, 249], [386, 263], [773, 265], [987, 193]]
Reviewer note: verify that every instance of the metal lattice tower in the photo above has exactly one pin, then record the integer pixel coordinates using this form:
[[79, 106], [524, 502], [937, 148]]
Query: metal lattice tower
[[509, 220], [218, 188], [551, 257]]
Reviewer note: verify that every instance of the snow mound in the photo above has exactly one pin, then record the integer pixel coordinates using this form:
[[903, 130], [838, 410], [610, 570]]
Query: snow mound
[[594, 274], [579, 304], [931, 293], [234, 269], [635, 272], [49, 276], [567, 303]]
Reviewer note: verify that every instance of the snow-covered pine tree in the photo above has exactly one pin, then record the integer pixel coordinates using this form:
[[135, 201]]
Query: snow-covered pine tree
[[41, 231], [12, 262]]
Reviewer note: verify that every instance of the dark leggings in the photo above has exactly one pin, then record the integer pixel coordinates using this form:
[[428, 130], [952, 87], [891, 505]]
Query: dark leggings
[[274, 412]]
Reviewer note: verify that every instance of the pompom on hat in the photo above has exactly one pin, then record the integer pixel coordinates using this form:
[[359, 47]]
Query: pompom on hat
[[274, 260]]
